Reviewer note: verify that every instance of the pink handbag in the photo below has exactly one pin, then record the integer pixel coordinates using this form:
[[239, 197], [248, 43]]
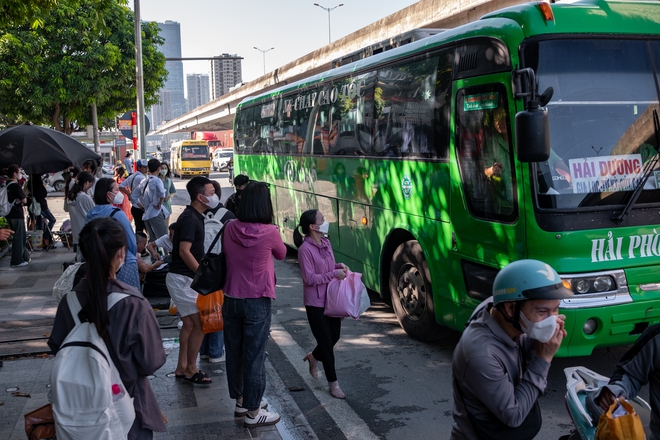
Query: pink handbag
[[346, 298]]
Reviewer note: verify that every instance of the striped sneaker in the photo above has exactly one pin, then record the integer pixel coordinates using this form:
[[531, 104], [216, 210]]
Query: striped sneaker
[[264, 418], [240, 410]]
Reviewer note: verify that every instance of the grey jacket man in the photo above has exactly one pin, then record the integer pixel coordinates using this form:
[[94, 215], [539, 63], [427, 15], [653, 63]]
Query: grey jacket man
[[490, 380]]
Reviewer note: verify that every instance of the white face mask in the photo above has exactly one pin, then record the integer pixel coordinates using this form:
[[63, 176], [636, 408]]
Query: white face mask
[[324, 227], [542, 331], [123, 259], [163, 172], [213, 201], [119, 198]]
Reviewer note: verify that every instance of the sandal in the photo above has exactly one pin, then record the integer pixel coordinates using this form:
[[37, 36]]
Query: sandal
[[313, 365], [335, 391], [199, 378]]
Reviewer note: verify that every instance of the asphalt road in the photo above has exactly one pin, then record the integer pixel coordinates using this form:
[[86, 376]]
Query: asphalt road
[[396, 387]]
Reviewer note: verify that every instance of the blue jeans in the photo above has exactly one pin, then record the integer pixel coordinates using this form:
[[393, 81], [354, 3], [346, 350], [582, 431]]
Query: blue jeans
[[247, 324], [46, 218], [213, 345]]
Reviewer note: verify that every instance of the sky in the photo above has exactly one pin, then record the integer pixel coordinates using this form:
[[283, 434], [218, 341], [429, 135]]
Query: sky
[[293, 27]]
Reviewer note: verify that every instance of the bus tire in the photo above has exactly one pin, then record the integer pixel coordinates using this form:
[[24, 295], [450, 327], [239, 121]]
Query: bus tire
[[412, 295]]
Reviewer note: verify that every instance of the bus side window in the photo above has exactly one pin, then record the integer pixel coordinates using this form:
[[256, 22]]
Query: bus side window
[[411, 104], [483, 147], [245, 135], [265, 121], [287, 127], [350, 131]]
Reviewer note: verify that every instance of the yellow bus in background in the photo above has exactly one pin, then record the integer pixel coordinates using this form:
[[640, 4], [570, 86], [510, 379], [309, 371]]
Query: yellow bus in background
[[190, 158]]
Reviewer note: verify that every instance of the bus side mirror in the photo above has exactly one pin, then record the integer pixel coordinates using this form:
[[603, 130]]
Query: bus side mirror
[[532, 124], [533, 135]]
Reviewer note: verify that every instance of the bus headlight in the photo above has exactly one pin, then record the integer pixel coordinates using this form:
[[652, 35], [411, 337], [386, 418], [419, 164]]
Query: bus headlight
[[603, 284], [594, 284], [582, 286], [595, 289]]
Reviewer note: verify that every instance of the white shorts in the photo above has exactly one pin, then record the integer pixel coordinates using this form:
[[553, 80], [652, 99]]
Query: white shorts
[[183, 296]]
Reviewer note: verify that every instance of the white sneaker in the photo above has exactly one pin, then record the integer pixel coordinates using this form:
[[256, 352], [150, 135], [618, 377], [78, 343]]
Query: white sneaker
[[217, 360], [203, 356], [240, 411], [23, 264], [264, 418]]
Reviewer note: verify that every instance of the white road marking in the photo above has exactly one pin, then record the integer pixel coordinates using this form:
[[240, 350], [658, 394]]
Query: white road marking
[[346, 419]]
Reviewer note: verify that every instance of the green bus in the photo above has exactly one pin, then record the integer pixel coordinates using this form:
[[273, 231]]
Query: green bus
[[439, 162]]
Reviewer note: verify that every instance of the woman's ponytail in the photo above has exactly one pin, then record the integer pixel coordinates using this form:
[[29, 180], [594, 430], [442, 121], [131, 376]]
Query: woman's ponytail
[[100, 240], [297, 237], [306, 219], [82, 178]]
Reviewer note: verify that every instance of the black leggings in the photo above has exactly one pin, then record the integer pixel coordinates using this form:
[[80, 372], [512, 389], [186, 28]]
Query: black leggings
[[326, 330], [137, 214]]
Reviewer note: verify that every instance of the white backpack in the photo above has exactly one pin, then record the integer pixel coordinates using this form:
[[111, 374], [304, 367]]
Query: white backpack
[[5, 206], [213, 225], [88, 397], [64, 284]]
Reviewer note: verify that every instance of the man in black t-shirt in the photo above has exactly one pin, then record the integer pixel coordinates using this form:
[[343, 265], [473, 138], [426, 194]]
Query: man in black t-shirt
[[187, 252], [240, 182], [20, 256]]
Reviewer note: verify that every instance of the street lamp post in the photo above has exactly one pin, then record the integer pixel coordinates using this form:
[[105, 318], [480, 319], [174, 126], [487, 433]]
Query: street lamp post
[[329, 9], [263, 52]]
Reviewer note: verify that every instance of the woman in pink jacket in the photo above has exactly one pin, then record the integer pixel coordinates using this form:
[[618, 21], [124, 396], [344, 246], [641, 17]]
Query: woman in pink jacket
[[250, 244], [318, 267]]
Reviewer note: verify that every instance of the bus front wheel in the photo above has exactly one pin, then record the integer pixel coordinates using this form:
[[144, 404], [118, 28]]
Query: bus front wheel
[[412, 295]]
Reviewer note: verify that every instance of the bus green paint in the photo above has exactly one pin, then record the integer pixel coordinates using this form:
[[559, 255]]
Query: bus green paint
[[375, 204]]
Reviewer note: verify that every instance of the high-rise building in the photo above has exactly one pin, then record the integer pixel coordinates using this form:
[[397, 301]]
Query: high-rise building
[[172, 100], [225, 74], [198, 90]]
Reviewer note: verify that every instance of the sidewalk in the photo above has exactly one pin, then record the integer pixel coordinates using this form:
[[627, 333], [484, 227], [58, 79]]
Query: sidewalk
[[27, 310]]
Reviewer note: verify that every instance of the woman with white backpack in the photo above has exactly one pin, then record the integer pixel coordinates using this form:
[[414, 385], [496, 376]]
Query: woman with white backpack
[[128, 327]]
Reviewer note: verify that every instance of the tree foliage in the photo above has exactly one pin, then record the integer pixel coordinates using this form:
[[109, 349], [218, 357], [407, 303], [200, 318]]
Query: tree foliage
[[16, 12], [51, 74]]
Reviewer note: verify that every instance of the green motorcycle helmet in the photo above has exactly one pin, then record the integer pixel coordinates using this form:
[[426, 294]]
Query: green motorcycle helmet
[[528, 279]]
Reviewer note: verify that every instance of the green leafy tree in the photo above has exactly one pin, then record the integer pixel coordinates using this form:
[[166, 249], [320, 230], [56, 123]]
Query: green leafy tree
[[22, 11], [15, 12], [52, 74]]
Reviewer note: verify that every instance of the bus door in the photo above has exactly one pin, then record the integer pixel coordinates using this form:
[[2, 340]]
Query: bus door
[[486, 229]]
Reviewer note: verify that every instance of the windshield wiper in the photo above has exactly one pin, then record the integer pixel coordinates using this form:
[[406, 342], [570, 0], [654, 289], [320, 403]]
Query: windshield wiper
[[648, 169]]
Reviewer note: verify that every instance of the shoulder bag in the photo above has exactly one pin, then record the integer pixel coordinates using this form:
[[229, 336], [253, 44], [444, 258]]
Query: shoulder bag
[[212, 270]]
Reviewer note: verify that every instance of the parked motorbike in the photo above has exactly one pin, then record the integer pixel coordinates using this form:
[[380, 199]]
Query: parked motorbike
[[580, 382]]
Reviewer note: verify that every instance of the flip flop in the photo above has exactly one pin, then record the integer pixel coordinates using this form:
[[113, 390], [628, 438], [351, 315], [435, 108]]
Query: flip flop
[[199, 378], [179, 376]]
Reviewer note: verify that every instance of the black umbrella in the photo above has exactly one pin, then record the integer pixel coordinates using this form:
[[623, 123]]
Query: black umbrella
[[40, 150]]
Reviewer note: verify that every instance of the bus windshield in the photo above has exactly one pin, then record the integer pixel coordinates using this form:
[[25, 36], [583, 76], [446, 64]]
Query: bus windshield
[[194, 152], [602, 132]]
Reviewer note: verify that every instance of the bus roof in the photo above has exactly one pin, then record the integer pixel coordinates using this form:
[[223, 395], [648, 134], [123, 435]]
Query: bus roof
[[512, 25]]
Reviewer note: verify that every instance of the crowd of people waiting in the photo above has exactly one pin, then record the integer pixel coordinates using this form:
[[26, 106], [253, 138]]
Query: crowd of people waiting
[[101, 211]]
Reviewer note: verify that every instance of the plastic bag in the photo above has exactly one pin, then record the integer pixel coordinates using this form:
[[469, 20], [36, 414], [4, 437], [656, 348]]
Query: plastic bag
[[210, 311], [346, 298], [622, 427]]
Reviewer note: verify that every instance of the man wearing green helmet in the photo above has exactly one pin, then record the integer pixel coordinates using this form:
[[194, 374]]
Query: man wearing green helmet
[[500, 365]]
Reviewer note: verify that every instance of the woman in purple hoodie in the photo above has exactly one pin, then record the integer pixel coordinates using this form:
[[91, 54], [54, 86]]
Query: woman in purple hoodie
[[250, 244], [318, 267]]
